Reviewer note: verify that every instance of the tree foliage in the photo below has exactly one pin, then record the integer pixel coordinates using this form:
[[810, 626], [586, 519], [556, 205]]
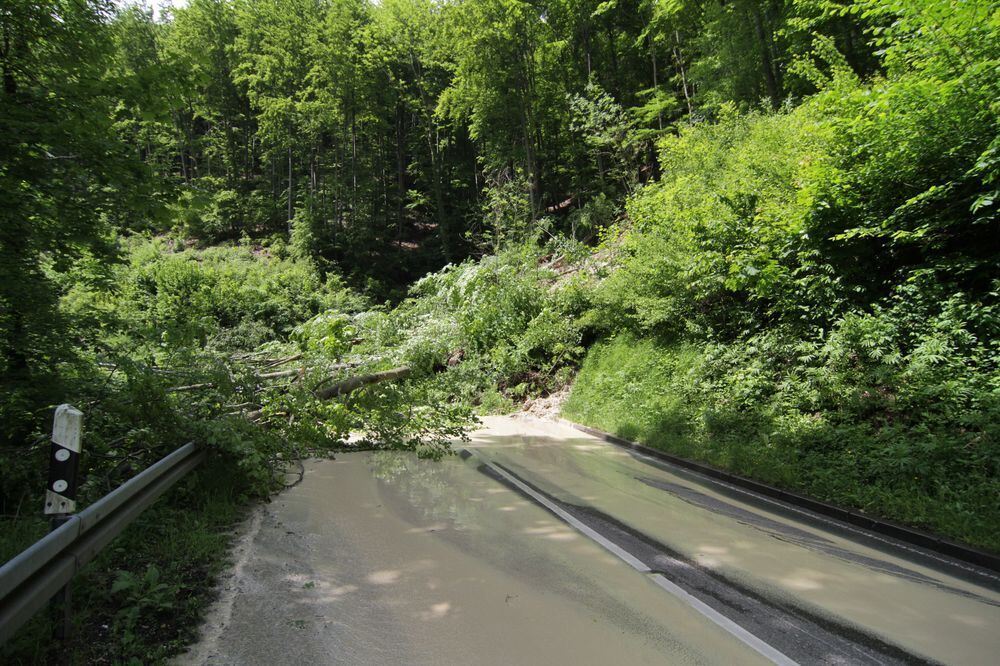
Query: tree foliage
[[795, 199]]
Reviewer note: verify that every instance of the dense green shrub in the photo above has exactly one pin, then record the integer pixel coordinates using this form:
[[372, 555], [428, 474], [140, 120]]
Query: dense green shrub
[[163, 318], [710, 244], [894, 411], [189, 296], [801, 215], [504, 315], [810, 296]]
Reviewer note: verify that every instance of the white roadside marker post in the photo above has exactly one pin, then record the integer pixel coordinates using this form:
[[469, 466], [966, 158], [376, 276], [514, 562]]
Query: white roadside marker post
[[60, 494]]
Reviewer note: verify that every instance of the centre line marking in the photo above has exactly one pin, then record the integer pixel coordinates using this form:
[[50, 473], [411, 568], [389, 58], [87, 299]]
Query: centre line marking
[[763, 648]]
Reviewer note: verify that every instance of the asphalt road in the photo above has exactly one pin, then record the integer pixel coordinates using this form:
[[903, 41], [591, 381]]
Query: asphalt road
[[541, 545]]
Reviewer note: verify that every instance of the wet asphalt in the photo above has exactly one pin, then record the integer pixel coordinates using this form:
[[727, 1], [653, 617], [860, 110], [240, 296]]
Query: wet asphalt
[[542, 545]]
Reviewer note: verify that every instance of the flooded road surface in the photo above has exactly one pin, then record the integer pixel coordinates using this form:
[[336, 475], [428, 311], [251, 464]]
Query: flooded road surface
[[542, 545], [815, 589]]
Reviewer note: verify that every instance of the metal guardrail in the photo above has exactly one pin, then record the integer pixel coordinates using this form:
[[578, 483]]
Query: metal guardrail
[[31, 579]]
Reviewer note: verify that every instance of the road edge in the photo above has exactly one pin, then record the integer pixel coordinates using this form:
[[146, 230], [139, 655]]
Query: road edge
[[886, 528], [219, 613]]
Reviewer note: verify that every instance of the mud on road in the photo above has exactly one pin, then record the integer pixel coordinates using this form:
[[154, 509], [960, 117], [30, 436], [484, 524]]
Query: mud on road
[[491, 558]]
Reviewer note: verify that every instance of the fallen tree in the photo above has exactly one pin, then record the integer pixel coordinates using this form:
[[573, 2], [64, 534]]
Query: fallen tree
[[354, 383], [278, 374], [350, 384]]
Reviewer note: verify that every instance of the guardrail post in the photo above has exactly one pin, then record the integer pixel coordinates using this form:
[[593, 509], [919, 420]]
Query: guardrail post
[[60, 495]]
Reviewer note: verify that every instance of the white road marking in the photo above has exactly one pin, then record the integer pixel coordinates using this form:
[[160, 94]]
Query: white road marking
[[710, 613], [715, 616]]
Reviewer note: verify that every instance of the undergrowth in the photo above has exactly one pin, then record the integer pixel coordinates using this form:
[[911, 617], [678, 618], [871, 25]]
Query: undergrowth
[[864, 420], [140, 600]]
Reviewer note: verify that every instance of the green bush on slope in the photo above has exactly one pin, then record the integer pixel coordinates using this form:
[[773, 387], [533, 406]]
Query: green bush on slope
[[898, 423], [814, 291], [503, 323]]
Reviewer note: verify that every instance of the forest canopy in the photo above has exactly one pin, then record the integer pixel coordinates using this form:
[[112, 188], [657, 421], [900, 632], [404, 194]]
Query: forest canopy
[[788, 208]]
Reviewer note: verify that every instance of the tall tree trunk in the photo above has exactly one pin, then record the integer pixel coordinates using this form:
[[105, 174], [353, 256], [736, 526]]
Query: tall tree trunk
[[530, 163], [354, 161], [400, 170], [434, 154], [291, 211], [9, 82], [656, 82], [530, 134], [612, 48], [764, 43], [679, 64]]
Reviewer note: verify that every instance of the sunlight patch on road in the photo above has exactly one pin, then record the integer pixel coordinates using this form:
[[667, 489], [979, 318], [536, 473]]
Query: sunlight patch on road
[[384, 577], [436, 611]]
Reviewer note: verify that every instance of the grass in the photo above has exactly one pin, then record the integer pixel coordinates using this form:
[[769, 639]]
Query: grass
[[741, 417], [140, 601]]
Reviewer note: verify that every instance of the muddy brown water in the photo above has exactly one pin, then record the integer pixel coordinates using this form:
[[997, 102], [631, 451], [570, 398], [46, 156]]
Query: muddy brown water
[[381, 558], [930, 614]]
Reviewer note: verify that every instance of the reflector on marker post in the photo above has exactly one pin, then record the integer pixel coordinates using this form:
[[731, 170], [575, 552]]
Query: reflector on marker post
[[60, 496], [64, 461]]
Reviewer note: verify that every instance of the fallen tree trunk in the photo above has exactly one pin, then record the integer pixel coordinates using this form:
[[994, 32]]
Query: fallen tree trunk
[[354, 383], [282, 373], [270, 363], [302, 371], [277, 374], [350, 384], [191, 387]]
